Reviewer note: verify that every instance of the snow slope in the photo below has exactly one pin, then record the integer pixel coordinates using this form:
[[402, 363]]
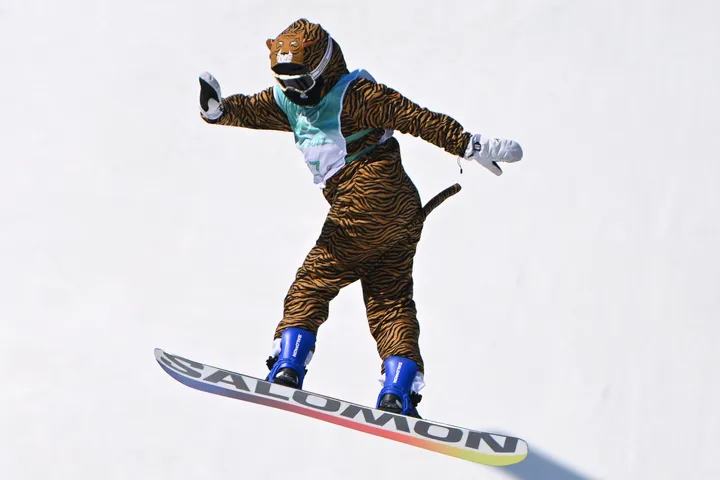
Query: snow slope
[[572, 301]]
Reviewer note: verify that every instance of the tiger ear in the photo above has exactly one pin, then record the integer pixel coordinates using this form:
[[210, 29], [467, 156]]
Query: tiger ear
[[307, 44], [269, 43]]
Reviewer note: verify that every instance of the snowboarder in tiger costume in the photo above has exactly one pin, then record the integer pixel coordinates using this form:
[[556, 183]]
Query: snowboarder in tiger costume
[[343, 123]]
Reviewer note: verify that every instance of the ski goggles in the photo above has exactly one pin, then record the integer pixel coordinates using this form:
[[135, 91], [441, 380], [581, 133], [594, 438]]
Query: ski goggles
[[303, 82], [296, 83]]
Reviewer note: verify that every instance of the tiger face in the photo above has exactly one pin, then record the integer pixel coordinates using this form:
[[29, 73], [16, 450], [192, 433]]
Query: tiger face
[[289, 51]]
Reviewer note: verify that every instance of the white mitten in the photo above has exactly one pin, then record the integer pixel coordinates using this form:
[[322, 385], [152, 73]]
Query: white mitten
[[488, 151], [211, 106]]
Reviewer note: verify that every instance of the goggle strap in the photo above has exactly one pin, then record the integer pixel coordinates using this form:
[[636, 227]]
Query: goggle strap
[[325, 60]]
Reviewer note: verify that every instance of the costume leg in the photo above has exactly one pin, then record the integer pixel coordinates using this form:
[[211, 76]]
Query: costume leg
[[320, 278], [317, 282], [391, 312]]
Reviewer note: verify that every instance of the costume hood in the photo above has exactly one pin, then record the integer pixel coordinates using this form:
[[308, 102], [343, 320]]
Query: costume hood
[[301, 48]]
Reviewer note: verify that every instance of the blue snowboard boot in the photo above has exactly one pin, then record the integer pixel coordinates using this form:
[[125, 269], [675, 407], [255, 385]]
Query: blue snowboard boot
[[288, 366], [396, 395]]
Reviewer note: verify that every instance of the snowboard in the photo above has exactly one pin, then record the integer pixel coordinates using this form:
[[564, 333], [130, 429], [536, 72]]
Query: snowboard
[[479, 447]]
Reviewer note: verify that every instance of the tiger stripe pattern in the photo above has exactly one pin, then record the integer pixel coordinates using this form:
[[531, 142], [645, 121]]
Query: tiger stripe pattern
[[376, 217], [370, 234]]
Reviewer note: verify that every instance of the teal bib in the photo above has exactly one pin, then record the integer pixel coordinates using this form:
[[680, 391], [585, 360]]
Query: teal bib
[[317, 129]]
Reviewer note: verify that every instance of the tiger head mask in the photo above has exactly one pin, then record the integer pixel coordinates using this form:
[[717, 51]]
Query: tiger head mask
[[306, 61]]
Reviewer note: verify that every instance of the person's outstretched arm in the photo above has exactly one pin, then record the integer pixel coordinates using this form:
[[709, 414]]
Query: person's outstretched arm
[[378, 106], [259, 111]]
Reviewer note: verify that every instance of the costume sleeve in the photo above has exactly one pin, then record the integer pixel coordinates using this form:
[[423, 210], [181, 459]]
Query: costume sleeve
[[259, 111], [375, 105]]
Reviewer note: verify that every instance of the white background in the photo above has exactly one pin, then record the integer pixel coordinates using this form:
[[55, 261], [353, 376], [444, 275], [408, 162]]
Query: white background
[[572, 302]]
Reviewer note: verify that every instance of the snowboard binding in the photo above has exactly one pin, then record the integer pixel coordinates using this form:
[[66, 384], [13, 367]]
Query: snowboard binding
[[397, 395], [287, 367]]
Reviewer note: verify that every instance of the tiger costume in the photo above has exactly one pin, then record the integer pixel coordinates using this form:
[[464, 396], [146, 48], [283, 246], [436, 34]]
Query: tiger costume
[[343, 122]]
